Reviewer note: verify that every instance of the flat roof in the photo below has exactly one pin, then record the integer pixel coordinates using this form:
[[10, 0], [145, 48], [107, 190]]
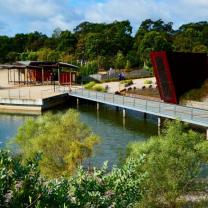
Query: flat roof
[[37, 65]]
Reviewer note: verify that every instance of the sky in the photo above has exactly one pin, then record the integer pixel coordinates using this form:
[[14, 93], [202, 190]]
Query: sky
[[24, 16]]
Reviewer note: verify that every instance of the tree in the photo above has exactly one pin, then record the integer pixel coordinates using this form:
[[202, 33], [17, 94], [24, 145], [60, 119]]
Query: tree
[[53, 56], [190, 35], [153, 41], [200, 49], [32, 56], [89, 68], [158, 25], [19, 42], [5, 47], [12, 57], [35, 41], [63, 141], [120, 61], [172, 162], [148, 25], [182, 44], [134, 58], [56, 33], [67, 41], [43, 54]]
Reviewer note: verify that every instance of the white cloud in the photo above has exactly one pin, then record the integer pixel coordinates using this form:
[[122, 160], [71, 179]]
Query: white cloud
[[31, 15], [45, 15], [177, 11]]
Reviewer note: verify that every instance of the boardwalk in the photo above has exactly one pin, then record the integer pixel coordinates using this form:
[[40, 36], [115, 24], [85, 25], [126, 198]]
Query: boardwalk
[[160, 109]]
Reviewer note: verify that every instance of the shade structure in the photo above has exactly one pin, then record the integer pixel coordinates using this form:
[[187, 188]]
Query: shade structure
[[41, 72]]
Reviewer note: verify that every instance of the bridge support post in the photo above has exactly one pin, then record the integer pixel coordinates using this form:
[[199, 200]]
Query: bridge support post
[[159, 125], [124, 113], [98, 106], [124, 123], [207, 134], [117, 108], [145, 116], [77, 101]]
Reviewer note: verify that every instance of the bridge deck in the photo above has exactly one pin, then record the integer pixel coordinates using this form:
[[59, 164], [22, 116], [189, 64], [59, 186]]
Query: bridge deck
[[183, 113]]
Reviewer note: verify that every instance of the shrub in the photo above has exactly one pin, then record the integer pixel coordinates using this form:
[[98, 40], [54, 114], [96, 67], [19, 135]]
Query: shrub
[[119, 188], [127, 82], [89, 85], [62, 139], [147, 81], [22, 186], [172, 161], [98, 88], [95, 87], [19, 184]]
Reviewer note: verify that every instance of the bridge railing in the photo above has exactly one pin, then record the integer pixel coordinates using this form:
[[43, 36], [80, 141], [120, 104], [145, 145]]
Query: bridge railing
[[184, 113]]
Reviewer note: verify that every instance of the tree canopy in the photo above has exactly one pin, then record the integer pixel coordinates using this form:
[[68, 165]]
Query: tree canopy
[[61, 139], [173, 162], [100, 41]]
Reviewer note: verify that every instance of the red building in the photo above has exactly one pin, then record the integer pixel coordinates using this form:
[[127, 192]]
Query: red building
[[39, 72]]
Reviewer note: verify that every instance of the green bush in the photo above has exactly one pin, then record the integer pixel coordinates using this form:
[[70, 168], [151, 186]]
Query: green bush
[[147, 81], [157, 173], [22, 186], [172, 161], [89, 85], [19, 184], [118, 188], [95, 87], [62, 139], [98, 88], [127, 82]]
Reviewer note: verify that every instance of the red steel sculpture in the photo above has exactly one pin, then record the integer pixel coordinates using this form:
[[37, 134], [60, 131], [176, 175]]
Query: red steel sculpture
[[177, 73]]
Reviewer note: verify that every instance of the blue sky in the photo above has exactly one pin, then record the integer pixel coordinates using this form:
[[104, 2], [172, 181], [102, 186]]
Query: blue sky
[[23, 16]]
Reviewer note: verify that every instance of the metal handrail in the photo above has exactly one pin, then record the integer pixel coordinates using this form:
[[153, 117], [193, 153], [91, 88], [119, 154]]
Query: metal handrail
[[185, 113]]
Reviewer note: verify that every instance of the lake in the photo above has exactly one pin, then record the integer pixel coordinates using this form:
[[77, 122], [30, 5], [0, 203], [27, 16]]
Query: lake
[[115, 131]]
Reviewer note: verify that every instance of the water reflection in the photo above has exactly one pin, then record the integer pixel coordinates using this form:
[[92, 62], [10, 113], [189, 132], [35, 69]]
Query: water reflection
[[116, 132]]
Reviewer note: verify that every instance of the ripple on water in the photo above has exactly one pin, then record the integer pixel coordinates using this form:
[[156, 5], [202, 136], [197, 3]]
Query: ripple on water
[[115, 132]]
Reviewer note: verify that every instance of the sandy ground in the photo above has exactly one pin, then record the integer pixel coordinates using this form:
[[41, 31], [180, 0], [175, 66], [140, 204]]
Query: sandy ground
[[38, 92], [24, 92], [4, 79]]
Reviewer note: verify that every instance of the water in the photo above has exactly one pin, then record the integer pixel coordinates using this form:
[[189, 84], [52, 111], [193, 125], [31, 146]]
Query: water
[[115, 131], [9, 124]]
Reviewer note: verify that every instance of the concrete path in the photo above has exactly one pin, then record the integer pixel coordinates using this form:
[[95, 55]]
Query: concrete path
[[138, 83]]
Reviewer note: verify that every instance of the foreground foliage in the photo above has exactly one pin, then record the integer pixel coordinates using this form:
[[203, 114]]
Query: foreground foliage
[[62, 140], [161, 172], [22, 186], [173, 162]]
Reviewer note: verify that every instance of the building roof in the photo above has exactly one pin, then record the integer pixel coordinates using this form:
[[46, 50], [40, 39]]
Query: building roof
[[37, 65]]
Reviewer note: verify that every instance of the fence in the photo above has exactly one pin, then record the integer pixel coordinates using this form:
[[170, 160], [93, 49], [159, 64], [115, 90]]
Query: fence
[[115, 74], [31, 93], [188, 114]]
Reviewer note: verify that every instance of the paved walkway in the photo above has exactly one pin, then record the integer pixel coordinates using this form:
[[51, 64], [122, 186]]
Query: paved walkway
[[39, 92], [138, 83], [24, 91]]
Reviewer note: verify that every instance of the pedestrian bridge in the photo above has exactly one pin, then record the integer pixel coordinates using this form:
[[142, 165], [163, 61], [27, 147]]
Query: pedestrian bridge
[[187, 114]]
